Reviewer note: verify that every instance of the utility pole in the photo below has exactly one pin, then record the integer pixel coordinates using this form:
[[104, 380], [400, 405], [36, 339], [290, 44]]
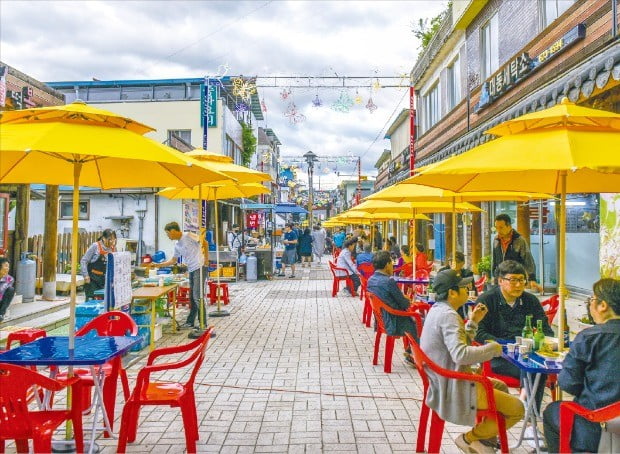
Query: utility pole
[[359, 180], [310, 159]]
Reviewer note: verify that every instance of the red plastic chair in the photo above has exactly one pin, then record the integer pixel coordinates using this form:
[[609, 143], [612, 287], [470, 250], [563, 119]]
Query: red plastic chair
[[113, 323], [568, 410], [347, 278], [551, 305], [367, 310], [180, 395], [366, 269], [214, 287], [23, 336], [183, 296], [421, 274], [423, 362], [336, 253], [377, 305], [479, 284], [19, 423]]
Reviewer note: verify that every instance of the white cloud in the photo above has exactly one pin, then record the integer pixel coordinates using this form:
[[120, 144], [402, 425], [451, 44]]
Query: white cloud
[[78, 40]]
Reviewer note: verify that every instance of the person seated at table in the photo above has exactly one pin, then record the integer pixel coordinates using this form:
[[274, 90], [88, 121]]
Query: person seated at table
[[366, 256], [508, 304], [383, 285], [7, 288], [459, 267], [394, 249], [346, 261], [421, 259], [404, 258], [590, 370], [446, 340]]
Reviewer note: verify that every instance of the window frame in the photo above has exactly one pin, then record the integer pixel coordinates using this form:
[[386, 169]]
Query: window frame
[[81, 217], [453, 89], [493, 60]]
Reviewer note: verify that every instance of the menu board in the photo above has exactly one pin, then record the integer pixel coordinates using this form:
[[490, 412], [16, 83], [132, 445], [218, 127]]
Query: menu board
[[118, 280]]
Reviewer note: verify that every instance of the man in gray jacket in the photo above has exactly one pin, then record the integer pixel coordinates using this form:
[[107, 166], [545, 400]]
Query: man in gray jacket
[[446, 340]]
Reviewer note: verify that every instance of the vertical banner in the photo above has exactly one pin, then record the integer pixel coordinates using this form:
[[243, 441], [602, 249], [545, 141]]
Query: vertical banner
[[411, 130], [208, 101], [610, 235]]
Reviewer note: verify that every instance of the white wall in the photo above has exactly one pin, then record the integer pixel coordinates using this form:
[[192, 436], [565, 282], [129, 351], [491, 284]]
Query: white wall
[[102, 205]]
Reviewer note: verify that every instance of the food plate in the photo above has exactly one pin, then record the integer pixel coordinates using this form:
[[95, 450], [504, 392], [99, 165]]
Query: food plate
[[548, 355]]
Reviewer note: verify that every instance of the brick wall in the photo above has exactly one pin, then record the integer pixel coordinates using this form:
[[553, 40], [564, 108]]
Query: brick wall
[[596, 14]]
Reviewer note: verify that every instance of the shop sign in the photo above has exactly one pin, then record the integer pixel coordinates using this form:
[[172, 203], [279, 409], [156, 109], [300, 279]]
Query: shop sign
[[257, 206], [209, 108], [3, 71], [519, 68], [252, 221], [18, 99]]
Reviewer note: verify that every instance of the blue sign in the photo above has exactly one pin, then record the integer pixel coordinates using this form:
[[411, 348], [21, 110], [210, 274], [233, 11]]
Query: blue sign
[[257, 206], [209, 108]]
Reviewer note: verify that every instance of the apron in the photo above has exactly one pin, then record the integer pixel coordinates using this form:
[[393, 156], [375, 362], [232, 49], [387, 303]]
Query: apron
[[96, 270]]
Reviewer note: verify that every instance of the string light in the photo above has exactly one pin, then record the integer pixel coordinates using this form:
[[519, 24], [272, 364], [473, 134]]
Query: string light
[[244, 89], [371, 106], [343, 104]]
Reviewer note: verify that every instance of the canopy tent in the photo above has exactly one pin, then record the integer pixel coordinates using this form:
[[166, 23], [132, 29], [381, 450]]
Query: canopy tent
[[285, 208]]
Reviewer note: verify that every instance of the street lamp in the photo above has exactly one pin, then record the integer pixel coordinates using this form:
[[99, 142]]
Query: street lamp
[[311, 158]]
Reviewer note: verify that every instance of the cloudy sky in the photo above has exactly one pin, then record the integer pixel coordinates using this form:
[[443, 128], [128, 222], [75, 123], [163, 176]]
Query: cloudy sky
[[71, 40]]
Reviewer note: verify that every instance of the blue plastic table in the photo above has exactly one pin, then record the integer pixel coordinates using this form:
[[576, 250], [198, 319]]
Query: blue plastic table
[[89, 351], [534, 366], [410, 280]]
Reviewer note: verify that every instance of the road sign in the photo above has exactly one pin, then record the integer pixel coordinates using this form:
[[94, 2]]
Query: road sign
[[257, 206]]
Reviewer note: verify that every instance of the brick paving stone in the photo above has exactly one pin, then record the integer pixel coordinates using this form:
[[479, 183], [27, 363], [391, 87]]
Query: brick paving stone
[[289, 371]]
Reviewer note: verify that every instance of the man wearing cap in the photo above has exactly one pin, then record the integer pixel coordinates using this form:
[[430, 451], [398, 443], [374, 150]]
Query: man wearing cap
[[508, 304], [446, 341]]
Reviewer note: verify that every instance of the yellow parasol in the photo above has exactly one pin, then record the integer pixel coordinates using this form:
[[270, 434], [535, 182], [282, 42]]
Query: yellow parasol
[[560, 156], [247, 186], [82, 145]]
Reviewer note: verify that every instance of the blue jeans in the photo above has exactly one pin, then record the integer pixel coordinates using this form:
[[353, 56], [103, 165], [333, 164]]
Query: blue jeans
[[194, 295]]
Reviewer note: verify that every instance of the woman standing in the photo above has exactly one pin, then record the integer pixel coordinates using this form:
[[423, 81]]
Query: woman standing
[[7, 290], [305, 248], [318, 242], [94, 262]]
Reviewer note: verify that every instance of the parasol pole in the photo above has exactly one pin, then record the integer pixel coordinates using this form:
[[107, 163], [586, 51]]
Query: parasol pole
[[454, 218], [562, 264], [77, 168], [218, 312], [201, 310], [413, 238]]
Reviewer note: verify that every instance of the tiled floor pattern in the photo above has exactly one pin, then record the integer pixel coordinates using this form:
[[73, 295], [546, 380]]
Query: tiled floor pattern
[[290, 371]]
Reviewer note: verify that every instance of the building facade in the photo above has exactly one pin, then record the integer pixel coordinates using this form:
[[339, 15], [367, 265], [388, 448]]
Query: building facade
[[491, 61], [187, 114]]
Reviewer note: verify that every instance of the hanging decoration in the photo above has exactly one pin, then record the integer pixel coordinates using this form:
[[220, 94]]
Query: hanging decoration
[[242, 107], [266, 157], [244, 89], [317, 102], [371, 106], [285, 93], [404, 81], [263, 106], [343, 104], [376, 85], [326, 170], [293, 114], [358, 99]]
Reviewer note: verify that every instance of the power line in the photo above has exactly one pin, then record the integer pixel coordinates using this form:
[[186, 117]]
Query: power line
[[385, 125]]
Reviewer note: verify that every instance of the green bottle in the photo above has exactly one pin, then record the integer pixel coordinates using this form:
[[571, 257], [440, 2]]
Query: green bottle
[[528, 332], [539, 337]]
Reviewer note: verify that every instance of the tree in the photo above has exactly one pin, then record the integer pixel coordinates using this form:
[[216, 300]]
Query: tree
[[249, 143], [424, 29]]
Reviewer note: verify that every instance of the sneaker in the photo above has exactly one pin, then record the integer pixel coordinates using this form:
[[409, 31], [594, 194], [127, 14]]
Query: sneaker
[[187, 326], [528, 435], [292, 276], [475, 447]]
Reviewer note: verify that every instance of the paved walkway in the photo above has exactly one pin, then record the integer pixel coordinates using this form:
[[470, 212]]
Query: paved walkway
[[290, 371]]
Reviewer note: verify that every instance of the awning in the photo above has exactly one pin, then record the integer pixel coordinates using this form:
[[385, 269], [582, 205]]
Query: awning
[[289, 208]]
